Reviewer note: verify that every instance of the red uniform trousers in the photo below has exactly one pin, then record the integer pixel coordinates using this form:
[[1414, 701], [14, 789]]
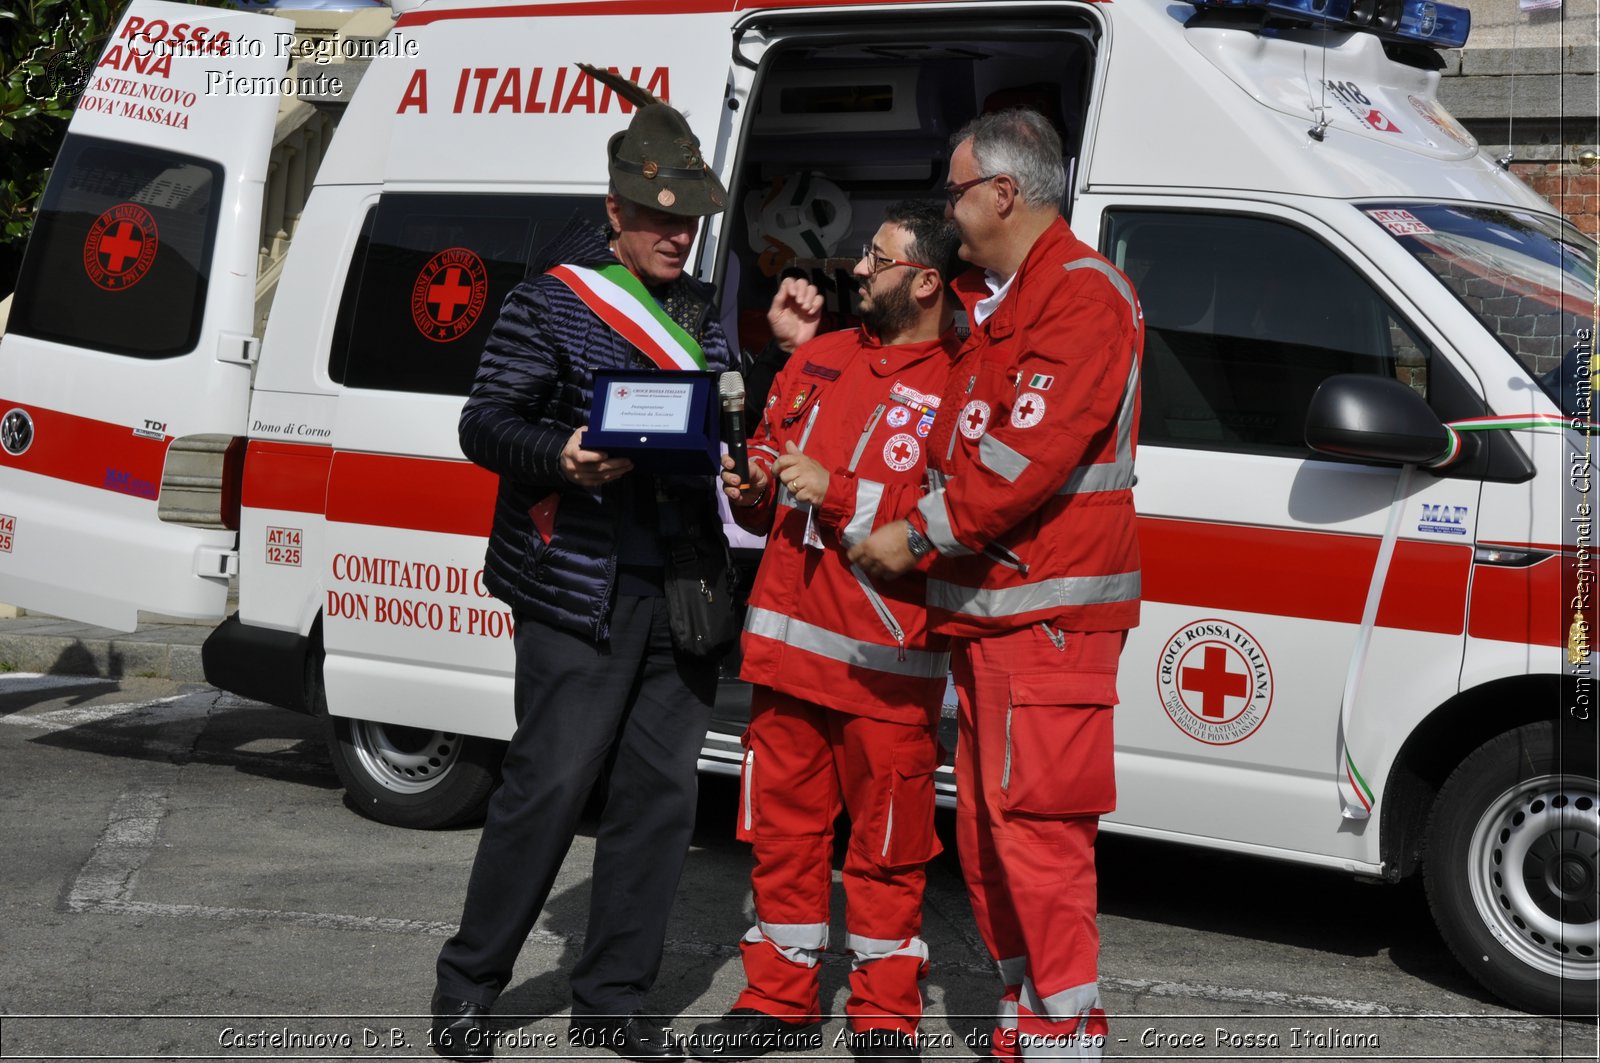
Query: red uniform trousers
[[1033, 774], [800, 760]]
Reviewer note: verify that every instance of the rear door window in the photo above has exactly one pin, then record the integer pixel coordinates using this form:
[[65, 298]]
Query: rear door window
[[121, 249]]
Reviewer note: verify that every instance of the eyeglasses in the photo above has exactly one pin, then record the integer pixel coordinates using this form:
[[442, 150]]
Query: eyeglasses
[[879, 263], [955, 192]]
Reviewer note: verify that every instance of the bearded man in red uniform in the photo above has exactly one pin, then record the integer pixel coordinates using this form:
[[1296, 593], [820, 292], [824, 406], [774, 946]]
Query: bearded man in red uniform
[[1035, 572], [848, 679]]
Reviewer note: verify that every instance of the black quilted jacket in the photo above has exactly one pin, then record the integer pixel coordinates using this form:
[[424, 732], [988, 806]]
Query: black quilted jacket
[[533, 388]]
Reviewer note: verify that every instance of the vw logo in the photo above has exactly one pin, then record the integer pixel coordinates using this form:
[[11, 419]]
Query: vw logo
[[16, 432]]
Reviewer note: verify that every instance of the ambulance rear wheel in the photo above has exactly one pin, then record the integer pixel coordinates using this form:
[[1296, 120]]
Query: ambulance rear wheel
[[1513, 869], [412, 776]]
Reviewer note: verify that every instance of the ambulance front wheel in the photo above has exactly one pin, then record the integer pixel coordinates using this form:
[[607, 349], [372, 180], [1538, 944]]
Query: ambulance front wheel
[[412, 776], [1513, 868]]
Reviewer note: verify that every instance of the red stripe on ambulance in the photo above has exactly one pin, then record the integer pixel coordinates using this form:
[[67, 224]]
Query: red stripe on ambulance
[[287, 476], [1524, 604], [1305, 574], [418, 494], [82, 450]]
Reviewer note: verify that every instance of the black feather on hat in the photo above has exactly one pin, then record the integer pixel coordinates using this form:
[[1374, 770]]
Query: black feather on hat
[[656, 161]]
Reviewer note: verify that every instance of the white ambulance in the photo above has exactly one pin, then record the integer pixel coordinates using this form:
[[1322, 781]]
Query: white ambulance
[[1364, 642]]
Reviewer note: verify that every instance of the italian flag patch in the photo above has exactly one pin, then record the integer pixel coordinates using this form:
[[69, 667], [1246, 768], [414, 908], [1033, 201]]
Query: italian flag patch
[[1040, 382]]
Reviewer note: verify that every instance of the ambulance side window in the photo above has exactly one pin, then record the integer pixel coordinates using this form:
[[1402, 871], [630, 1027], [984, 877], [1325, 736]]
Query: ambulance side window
[[427, 280], [1245, 317], [120, 254]]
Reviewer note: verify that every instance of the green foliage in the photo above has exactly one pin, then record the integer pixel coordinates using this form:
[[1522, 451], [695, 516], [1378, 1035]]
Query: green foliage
[[47, 49]]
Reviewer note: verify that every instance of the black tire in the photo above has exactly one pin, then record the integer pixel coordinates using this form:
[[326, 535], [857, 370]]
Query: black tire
[[412, 777], [1513, 868], [406, 776]]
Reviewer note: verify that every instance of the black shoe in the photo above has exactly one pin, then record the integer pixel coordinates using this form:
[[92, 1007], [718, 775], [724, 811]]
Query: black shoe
[[460, 1030], [745, 1033], [637, 1037], [882, 1044]]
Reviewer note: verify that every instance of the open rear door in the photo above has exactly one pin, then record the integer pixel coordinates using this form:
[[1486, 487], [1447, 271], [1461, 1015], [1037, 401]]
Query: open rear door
[[131, 330]]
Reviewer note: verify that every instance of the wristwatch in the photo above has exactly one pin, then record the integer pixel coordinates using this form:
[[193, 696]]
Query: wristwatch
[[916, 542]]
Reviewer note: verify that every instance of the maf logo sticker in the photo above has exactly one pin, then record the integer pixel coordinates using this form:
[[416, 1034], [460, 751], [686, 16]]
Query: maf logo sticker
[[1443, 520], [1214, 681]]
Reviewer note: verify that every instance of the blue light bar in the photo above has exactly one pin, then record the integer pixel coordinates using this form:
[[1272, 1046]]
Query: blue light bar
[[1439, 25], [1407, 21]]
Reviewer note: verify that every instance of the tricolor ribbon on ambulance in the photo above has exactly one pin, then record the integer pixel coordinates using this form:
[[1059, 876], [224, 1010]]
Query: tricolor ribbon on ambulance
[[1506, 422], [1356, 796], [621, 300]]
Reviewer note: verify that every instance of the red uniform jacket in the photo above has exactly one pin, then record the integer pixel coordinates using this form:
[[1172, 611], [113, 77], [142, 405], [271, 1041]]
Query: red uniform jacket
[[1031, 468], [818, 628]]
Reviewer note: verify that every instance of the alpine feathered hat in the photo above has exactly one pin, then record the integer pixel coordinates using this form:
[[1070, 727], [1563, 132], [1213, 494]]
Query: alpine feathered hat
[[656, 161]]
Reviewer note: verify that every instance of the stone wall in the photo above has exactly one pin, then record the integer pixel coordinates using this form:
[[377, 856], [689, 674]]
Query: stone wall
[[1526, 86]]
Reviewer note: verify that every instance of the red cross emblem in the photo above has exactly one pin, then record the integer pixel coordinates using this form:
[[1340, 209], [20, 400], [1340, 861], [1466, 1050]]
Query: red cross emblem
[[449, 294], [622, 393], [120, 247], [900, 453], [974, 418], [1215, 683], [1028, 411]]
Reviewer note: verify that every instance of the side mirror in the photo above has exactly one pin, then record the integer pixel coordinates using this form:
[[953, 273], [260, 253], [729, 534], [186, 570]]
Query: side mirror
[[1358, 415]]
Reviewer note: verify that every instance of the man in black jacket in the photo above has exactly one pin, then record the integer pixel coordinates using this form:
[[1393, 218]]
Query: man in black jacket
[[579, 544]]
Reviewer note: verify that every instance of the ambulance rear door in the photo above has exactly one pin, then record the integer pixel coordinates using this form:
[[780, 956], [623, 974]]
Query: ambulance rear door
[[126, 367]]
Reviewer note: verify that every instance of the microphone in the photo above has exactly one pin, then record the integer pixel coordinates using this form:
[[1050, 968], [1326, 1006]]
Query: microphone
[[730, 389]]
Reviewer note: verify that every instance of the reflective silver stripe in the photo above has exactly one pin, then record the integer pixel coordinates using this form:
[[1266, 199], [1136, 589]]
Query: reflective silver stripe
[[865, 949], [887, 618], [1005, 772], [1068, 1005], [1046, 594], [761, 448], [1058, 1007], [940, 534], [868, 495], [1115, 475], [794, 935], [1012, 970], [1006, 1017], [866, 434], [1107, 476], [784, 497], [1116, 280], [936, 479], [749, 784], [844, 648], [799, 943], [1001, 458], [1002, 556]]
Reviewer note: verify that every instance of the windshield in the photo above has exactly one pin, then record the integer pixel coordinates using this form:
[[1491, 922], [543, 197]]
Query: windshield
[[1529, 278]]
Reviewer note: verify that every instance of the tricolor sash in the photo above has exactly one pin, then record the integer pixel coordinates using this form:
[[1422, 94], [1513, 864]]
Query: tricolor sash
[[621, 300]]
